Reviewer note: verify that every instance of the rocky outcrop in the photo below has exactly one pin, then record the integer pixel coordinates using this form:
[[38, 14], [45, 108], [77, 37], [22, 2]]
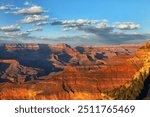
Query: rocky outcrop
[[16, 72], [134, 88]]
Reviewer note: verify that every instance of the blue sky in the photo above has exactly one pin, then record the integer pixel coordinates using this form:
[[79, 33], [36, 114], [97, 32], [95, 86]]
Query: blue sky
[[75, 22]]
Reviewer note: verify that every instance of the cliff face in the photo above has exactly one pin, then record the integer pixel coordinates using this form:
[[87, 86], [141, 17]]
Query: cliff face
[[138, 86], [16, 72], [63, 72]]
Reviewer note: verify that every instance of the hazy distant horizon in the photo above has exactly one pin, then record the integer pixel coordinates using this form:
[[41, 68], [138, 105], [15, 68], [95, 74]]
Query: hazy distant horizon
[[100, 45]]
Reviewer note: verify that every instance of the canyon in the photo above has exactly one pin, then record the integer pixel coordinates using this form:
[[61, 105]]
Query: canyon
[[56, 72]]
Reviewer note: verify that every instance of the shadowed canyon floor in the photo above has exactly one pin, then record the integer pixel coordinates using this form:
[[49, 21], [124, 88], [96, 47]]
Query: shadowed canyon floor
[[36, 71]]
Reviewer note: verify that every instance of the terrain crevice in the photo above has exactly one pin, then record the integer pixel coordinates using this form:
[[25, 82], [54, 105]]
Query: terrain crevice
[[144, 92]]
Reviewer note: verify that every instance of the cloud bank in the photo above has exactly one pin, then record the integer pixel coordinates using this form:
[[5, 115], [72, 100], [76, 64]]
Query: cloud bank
[[41, 23], [101, 31], [33, 18], [30, 11], [127, 26], [11, 28], [4, 8]]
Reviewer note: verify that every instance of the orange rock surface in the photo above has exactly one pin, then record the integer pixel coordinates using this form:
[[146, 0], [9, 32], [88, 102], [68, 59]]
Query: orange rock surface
[[73, 73]]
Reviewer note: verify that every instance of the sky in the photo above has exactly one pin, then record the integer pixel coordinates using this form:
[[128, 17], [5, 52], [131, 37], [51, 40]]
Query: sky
[[75, 22]]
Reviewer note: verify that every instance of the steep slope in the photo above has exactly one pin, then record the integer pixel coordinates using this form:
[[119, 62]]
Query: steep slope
[[138, 86], [16, 72]]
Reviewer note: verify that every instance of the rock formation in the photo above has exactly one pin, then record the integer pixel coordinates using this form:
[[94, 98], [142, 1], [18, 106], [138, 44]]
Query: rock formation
[[83, 72]]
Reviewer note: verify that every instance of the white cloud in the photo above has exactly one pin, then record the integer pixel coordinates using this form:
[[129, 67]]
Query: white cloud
[[103, 26], [79, 22], [35, 29], [27, 3], [16, 34], [33, 18], [91, 25], [11, 28], [41, 23], [4, 8], [30, 11], [127, 26], [82, 21], [67, 28]]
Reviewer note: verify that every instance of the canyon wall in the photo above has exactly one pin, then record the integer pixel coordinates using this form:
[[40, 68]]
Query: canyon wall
[[62, 72], [133, 89]]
